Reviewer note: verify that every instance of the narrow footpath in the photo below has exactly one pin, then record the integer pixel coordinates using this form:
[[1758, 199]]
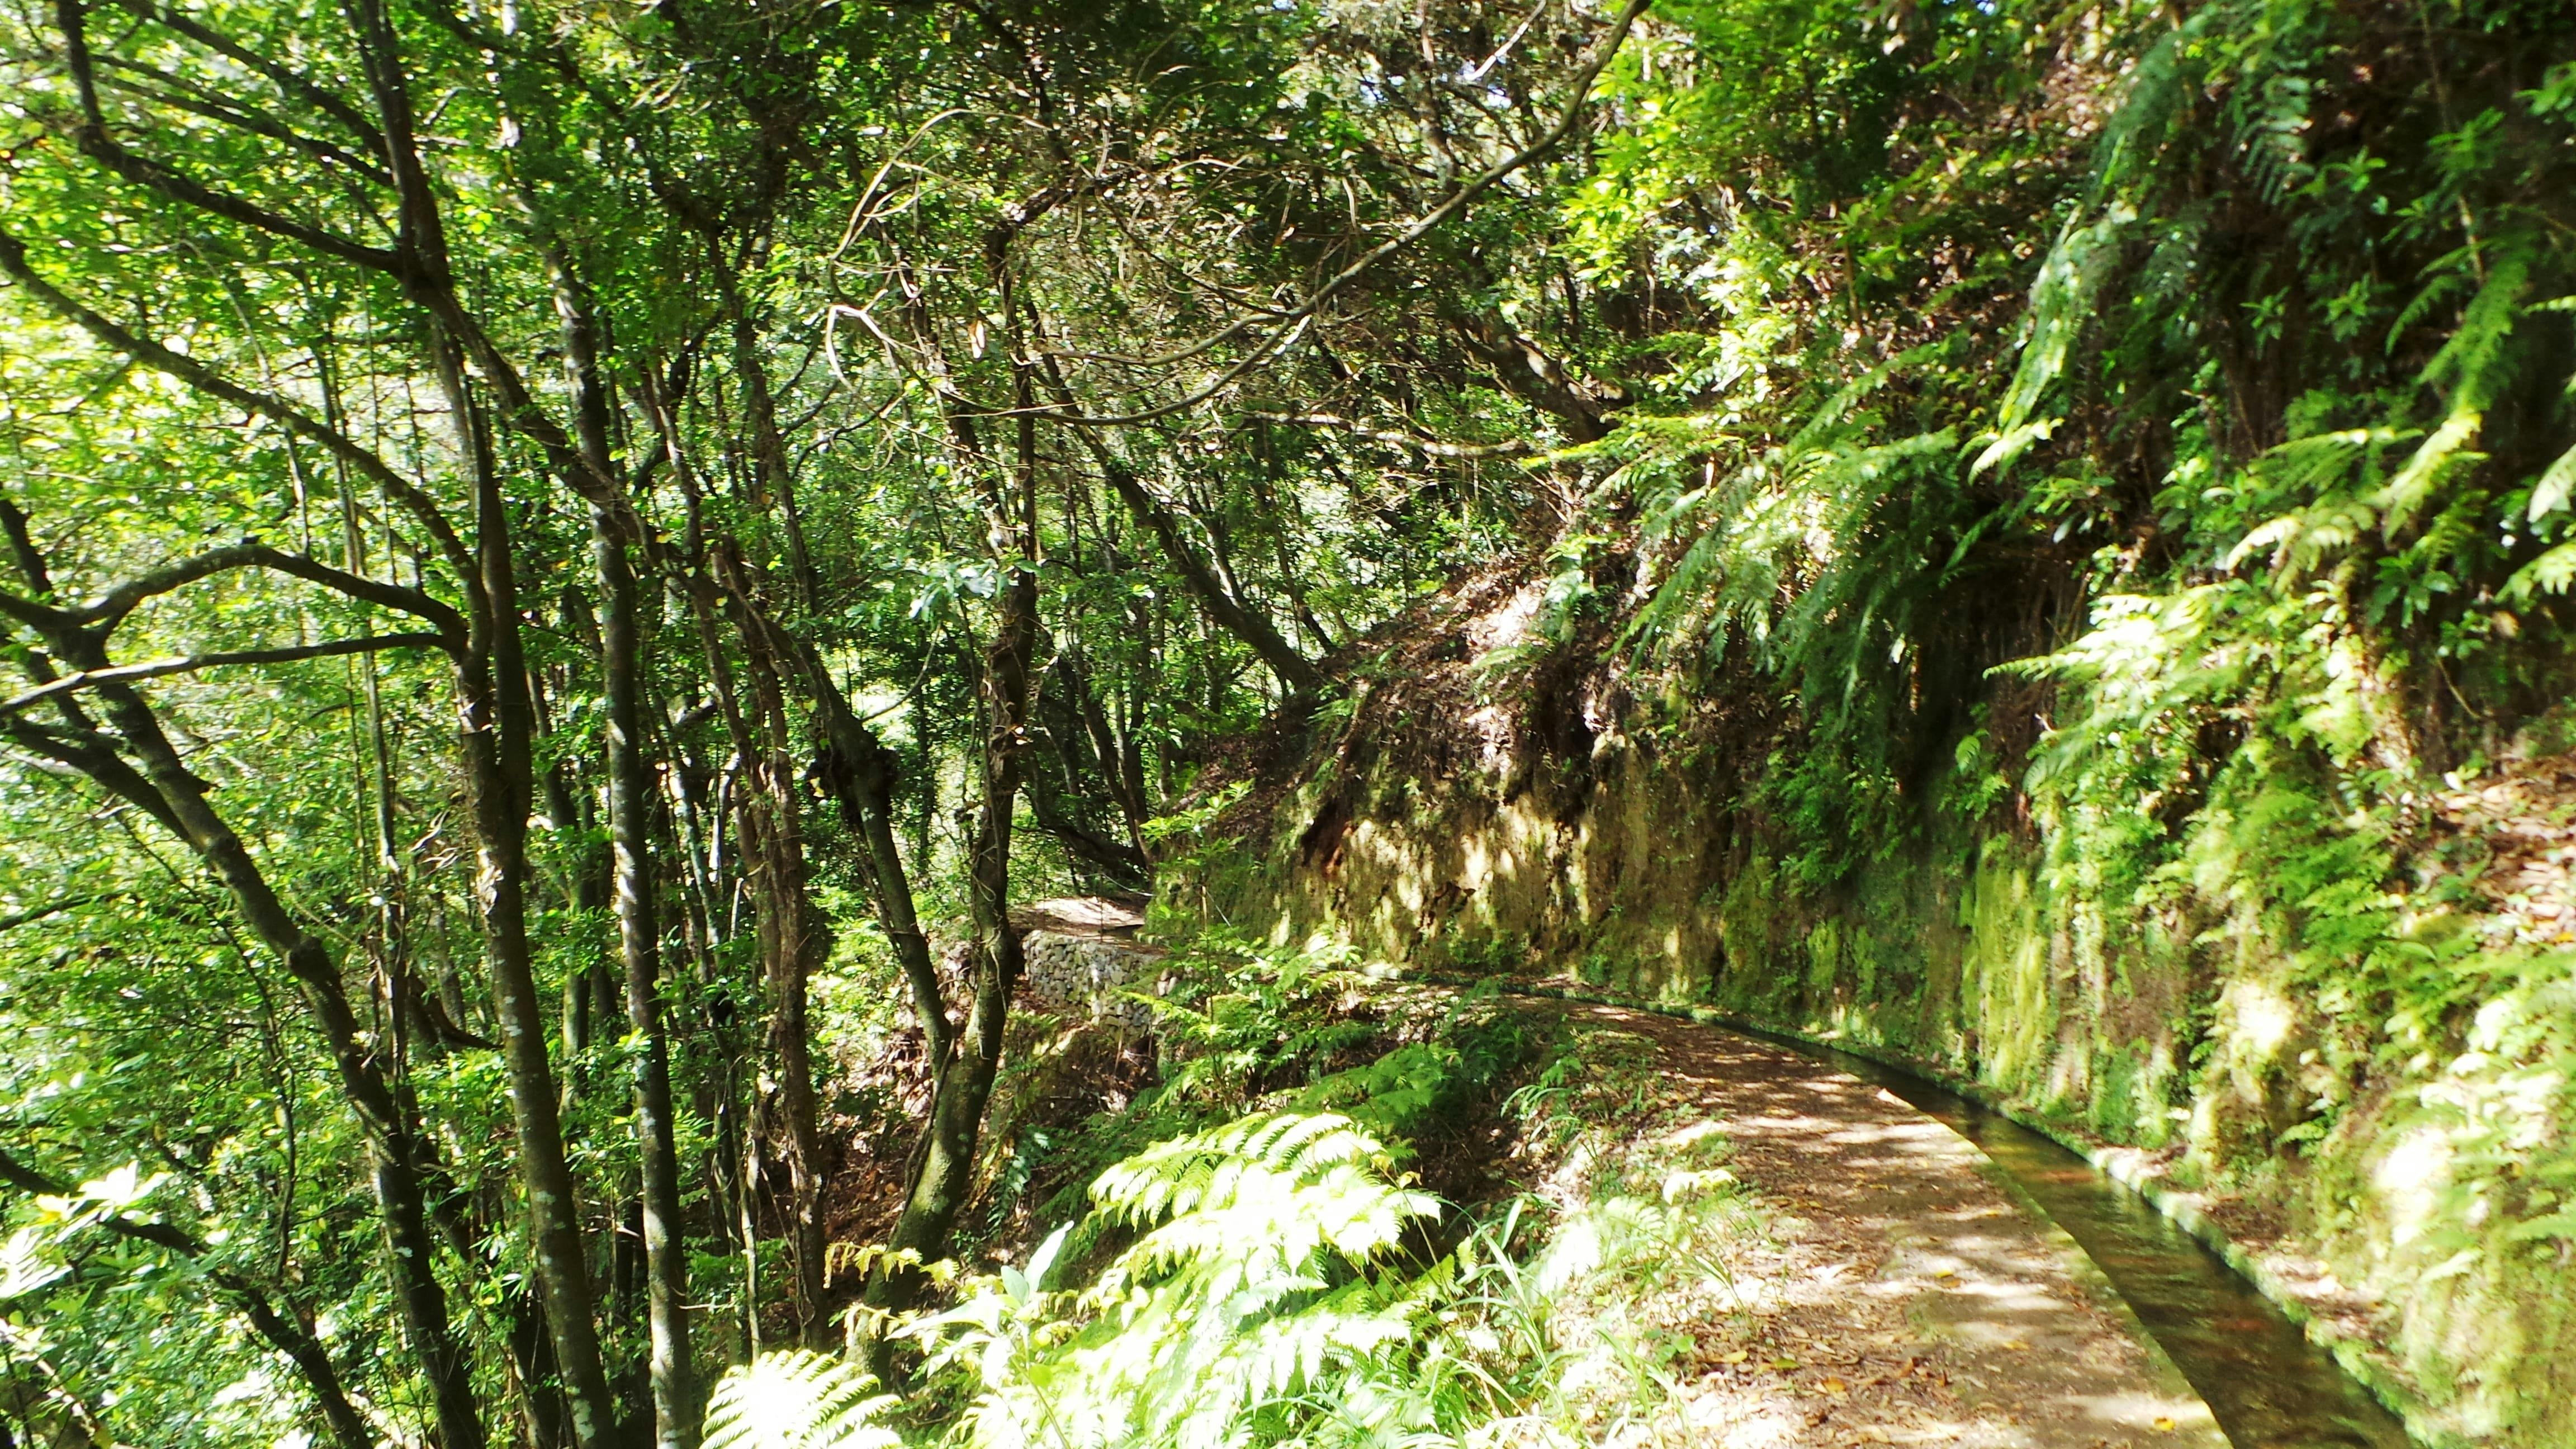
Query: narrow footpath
[[1908, 1294]]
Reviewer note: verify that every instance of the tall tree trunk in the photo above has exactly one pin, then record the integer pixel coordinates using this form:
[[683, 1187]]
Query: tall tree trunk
[[630, 796], [797, 936], [630, 819], [850, 761], [732, 1179], [630, 837], [495, 725], [793, 937], [965, 1083]]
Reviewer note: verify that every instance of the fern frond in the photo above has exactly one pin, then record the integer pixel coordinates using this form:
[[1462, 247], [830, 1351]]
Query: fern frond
[[2550, 573], [2552, 491], [798, 1400]]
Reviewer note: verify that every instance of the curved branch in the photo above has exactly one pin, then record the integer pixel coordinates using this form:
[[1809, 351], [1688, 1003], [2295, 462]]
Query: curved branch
[[109, 609], [102, 615], [106, 150], [93, 757], [449, 623], [51, 909]]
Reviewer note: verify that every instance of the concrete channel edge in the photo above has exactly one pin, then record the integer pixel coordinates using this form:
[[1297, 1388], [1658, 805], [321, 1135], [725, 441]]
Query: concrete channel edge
[[2353, 1353]]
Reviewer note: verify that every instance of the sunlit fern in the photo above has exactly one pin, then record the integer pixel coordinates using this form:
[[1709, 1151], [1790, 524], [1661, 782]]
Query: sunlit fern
[[1262, 1299], [798, 1400]]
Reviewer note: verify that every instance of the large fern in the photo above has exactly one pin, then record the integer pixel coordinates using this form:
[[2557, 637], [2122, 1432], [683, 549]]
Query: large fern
[[798, 1400], [1262, 1297]]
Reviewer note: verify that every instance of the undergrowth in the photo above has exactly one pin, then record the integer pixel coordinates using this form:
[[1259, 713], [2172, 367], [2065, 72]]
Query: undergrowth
[[1253, 1254]]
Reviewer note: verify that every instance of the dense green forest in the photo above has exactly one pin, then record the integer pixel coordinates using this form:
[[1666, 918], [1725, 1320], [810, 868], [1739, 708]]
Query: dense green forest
[[571, 568]]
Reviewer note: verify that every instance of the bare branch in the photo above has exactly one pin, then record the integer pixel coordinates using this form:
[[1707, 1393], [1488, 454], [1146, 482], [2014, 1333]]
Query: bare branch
[[30, 613], [447, 621], [22, 546]]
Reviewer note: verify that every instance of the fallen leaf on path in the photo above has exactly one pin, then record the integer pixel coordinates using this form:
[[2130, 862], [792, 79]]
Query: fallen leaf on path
[[2164, 1425]]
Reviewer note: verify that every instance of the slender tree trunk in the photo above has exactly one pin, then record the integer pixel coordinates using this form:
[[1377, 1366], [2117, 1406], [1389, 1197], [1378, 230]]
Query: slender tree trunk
[[396, 1158], [947, 1162], [797, 936], [965, 1085], [859, 772], [495, 721], [630, 796], [630, 836], [850, 760], [793, 938], [733, 1152], [532, 1371], [1125, 773]]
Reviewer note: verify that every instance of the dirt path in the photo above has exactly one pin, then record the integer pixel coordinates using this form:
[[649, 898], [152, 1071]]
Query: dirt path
[[1910, 1296]]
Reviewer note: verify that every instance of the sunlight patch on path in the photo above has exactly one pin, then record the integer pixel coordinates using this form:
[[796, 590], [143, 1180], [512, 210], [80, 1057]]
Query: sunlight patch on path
[[1911, 1298]]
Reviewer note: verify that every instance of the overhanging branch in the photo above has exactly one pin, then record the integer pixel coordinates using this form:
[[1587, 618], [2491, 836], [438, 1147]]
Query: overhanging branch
[[190, 663], [1289, 324]]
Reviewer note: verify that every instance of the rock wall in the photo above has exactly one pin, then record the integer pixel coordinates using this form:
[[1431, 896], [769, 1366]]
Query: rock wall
[[2405, 1172]]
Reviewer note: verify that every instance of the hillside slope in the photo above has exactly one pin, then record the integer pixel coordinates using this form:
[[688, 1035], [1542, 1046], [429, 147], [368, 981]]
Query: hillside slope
[[2350, 1031]]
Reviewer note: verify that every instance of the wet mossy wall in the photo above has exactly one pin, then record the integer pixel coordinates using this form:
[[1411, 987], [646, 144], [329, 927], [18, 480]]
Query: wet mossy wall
[[2425, 1162]]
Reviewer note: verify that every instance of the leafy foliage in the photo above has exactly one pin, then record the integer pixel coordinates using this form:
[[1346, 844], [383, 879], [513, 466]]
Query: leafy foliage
[[797, 1400], [1260, 1297], [2141, 432]]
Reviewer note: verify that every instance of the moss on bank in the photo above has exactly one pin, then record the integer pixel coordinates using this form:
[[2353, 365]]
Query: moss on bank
[[2357, 1053]]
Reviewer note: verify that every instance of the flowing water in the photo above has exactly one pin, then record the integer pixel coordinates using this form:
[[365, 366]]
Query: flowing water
[[2269, 1386]]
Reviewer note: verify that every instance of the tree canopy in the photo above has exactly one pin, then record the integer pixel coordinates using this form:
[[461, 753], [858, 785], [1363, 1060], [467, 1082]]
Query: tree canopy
[[538, 533]]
